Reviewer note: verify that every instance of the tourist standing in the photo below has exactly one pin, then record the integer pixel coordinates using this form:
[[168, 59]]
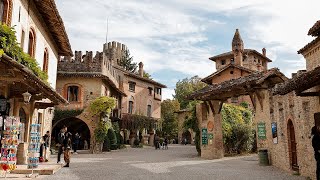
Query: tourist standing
[[67, 148], [156, 142], [76, 142], [315, 131], [61, 138], [46, 142]]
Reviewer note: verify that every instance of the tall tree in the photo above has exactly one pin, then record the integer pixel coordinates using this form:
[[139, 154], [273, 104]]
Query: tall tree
[[127, 62], [185, 87], [169, 118]]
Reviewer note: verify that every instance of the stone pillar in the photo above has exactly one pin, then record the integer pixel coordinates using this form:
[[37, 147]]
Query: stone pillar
[[151, 137], [210, 123], [22, 153], [132, 137]]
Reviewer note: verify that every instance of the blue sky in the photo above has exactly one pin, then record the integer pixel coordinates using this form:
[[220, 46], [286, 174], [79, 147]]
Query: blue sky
[[175, 38]]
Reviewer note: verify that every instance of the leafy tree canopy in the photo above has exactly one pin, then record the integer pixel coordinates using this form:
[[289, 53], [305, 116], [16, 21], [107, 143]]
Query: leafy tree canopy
[[169, 118], [185, 87], [127, 62]]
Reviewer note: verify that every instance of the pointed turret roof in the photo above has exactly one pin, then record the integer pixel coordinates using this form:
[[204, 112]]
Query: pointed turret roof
[[237, 40]]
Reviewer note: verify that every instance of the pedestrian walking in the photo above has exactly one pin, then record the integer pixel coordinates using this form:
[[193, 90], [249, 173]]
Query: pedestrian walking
[[76, 142], [166, 141], [60, 142], [185, 141], [156, 142], [315, 131], [67, 148], [85, 144]]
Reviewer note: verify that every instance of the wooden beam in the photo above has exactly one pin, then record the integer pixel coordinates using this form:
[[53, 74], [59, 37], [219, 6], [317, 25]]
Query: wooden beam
[[305, 94], [260, 97], [211, 106], [207, 107], [220, 106], [253, 100]]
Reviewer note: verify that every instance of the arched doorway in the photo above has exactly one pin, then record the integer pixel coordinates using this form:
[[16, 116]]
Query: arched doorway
[[292, 147], [74, 125], [186, 135]]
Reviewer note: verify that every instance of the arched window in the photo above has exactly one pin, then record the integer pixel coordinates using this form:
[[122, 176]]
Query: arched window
[[46, 60], [73, 94], [32, 43], [149, 111], [6, 11], [130, 108]]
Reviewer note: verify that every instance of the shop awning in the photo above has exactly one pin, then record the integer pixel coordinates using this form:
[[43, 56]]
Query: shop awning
[[18, 79]]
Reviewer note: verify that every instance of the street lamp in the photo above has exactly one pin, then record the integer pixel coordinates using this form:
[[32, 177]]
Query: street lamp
[[26, 97]]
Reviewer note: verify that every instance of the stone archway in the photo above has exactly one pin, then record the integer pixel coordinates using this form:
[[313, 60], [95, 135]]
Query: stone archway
[[187, 135], [74, 125]]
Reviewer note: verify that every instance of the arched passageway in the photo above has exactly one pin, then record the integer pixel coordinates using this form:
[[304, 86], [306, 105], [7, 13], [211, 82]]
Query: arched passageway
[[186, 135], [74, 125]]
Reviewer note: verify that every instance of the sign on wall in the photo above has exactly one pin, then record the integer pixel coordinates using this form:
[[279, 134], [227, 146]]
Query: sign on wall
[[274, 132], [262, 131], [204, 136]]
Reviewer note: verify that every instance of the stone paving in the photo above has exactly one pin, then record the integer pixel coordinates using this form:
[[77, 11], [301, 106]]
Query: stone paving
[[178, 162]]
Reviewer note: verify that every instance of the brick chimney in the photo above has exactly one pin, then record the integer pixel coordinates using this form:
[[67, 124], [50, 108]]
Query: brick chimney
[[141, 69], [264, 52]]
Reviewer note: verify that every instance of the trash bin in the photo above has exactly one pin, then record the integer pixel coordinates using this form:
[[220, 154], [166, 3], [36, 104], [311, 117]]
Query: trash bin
[[263, 157]]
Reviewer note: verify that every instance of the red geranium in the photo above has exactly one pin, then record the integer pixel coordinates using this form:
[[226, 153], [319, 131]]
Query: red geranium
[[5, 167]]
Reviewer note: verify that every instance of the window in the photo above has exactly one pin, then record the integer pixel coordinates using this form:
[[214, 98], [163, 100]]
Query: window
[[6, 11], [130, 109], [132, 86], [73, 93], [19, 18], [231, 72], [23, 36], [32, 43], [46, 60], [232, 60], [150, 91], [149, 111], [223, 62]]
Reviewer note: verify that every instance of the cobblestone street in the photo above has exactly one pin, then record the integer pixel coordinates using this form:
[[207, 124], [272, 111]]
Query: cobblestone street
[[179, 162]]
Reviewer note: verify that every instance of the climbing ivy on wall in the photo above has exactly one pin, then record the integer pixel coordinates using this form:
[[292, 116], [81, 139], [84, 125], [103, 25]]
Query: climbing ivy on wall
[[137, 122], [10, 46], [102, 105]]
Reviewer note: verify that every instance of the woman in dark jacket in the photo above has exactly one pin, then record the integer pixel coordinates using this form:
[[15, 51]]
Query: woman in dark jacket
[[315, 131]]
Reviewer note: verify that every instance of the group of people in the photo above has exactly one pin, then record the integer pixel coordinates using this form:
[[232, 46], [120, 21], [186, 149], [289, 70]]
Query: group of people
[[65, 145], [157, 143]]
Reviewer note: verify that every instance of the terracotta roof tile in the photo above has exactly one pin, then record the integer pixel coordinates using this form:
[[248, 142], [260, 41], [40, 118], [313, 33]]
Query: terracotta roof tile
[[315, 29]]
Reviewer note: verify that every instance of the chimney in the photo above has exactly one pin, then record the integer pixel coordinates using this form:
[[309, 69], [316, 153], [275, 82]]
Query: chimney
[[141, 69], [264, 52]]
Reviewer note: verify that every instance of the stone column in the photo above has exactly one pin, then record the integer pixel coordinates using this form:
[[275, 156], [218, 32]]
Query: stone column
[[151, 137], [210, 123], [132, 136]]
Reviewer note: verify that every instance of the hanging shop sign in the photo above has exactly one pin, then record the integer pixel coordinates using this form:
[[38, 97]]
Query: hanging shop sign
[[204, 135], [274, 132], [262, 131]]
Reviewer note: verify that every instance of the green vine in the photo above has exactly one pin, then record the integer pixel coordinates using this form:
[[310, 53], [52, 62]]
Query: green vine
[[102, 105], [10, 46], [137, 122], [63, 114], [101, 132]]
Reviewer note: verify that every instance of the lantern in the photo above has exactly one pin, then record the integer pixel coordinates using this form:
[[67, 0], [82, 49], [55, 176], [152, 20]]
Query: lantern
[[26, 97]]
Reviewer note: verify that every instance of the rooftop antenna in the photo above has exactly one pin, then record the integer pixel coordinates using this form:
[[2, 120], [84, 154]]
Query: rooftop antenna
[[107, 29]]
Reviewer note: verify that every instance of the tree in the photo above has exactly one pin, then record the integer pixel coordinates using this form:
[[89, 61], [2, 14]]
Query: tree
[[185, 87], [169, 119], [127, 62]]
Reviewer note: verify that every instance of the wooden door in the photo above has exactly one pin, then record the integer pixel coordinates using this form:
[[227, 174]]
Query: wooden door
[[292, 147]]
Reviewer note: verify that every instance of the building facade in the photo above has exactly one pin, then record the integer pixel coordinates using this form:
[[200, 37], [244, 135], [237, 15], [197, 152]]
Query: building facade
[[237, 63], [86, 76], [41, 34]]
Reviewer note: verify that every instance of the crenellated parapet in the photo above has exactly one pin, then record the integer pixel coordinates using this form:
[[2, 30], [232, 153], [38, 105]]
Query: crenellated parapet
[[82, 62], [114, 51]]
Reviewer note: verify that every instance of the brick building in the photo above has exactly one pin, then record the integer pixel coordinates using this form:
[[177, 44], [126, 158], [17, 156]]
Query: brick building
[[87, 76]]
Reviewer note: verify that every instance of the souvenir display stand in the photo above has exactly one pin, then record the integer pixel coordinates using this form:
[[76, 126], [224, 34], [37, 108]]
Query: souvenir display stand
[[34, 147], [9, 142]]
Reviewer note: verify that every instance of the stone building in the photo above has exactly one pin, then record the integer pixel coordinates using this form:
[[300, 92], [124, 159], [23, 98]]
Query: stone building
[[40, 33], [189, 135], [87, 76], [285, 111], [237, 63]]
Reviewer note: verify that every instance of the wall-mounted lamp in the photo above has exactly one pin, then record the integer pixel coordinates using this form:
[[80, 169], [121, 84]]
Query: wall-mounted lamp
[[26, 97], [50, 110]]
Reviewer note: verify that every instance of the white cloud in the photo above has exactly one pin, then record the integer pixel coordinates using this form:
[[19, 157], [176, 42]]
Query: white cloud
[[179, 35]]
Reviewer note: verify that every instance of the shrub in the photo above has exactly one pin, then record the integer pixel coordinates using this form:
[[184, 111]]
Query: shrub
[[113, 139], [136, 142]]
